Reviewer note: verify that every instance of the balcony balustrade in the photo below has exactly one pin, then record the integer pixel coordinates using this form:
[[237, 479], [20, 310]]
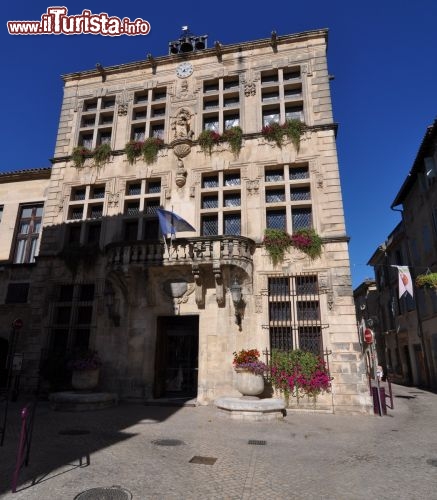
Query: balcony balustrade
[[217, 250]]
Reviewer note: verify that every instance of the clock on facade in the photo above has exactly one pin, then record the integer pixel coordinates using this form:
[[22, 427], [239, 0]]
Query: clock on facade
[[184, 70]]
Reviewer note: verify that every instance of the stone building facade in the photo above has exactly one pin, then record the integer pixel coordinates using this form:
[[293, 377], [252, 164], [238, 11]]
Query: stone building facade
[[410, 323], [162, 316], [22, 198]]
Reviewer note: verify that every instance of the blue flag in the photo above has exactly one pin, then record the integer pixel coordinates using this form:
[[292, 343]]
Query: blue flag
[[170, 223]]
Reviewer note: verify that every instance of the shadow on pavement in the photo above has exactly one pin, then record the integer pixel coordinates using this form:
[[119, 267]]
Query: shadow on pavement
[[64, 441]]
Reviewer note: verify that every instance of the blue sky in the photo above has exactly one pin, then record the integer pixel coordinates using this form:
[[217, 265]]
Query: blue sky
[[382, 53]]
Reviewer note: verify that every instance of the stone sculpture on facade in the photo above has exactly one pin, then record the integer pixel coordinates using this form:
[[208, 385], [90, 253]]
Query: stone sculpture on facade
[[181, 143], [181, 125]]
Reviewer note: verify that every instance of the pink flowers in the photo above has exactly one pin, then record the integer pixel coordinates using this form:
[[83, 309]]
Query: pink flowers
[[308, 241], [299, 372], [300, 240]]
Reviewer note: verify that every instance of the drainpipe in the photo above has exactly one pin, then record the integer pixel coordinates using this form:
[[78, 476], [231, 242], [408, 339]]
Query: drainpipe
[[418, 311]]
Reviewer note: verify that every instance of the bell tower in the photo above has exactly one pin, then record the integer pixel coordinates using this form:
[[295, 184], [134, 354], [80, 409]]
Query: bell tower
[[187, 43]]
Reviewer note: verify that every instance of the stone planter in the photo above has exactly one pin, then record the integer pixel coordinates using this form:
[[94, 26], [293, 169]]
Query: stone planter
[[85, 380], [248, 383]]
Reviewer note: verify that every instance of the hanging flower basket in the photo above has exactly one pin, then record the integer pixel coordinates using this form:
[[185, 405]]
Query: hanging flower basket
[[80, 154], [428, 280], [277, 242], [150, 149], [133, 150], [234, 137], [207, 139], [101, 154], [308, 241], [274, 132]]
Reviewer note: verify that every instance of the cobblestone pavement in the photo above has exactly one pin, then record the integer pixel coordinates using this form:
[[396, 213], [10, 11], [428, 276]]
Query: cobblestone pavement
[[305, 456]]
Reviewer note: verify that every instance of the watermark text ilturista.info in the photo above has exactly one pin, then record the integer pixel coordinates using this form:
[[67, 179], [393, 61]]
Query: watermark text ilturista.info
[[56, 22]]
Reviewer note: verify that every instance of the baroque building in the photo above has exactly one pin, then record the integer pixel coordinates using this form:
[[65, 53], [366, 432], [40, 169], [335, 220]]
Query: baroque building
[[166, 315]]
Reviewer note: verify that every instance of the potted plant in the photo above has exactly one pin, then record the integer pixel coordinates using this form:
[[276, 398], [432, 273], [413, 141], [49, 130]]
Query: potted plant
[[308, 241], [150, 149], [427, 280], [277, 242], [85, 366], [80, 154], [133, 150], [299, 373], [249, 372], [207, 139], [234, 137], [101, 154]]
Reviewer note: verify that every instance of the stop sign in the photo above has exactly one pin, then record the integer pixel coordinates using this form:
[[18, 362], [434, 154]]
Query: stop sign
[[17, 323], [368, 336]]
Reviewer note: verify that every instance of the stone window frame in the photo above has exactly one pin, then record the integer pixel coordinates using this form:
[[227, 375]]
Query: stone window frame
[[220, 192], [147, 194], [228, 94], [149, 102], [73, 326], [102, 126], [286, 294], [285, 186], [275, 84], [31, 236], [94, 198]]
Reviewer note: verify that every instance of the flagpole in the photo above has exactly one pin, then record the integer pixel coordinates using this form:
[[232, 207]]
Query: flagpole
[[172, 225], [166, 247]]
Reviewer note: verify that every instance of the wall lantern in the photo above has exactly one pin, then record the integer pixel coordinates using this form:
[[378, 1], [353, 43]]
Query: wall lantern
[[237, 299], [111, 305]]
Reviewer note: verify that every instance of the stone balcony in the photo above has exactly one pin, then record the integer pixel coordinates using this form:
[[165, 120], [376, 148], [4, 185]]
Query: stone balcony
[[200, 251], [201, 254]]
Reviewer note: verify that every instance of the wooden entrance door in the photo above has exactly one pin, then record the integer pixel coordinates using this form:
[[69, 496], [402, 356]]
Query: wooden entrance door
[[177, 353]]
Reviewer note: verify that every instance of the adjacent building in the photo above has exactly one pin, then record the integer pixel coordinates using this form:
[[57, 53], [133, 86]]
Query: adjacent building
[[409, 324], [22, 198], [166, 314]]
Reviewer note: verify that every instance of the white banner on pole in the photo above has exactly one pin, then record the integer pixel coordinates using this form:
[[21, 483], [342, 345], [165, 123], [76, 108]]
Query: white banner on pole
[[405, 282]]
